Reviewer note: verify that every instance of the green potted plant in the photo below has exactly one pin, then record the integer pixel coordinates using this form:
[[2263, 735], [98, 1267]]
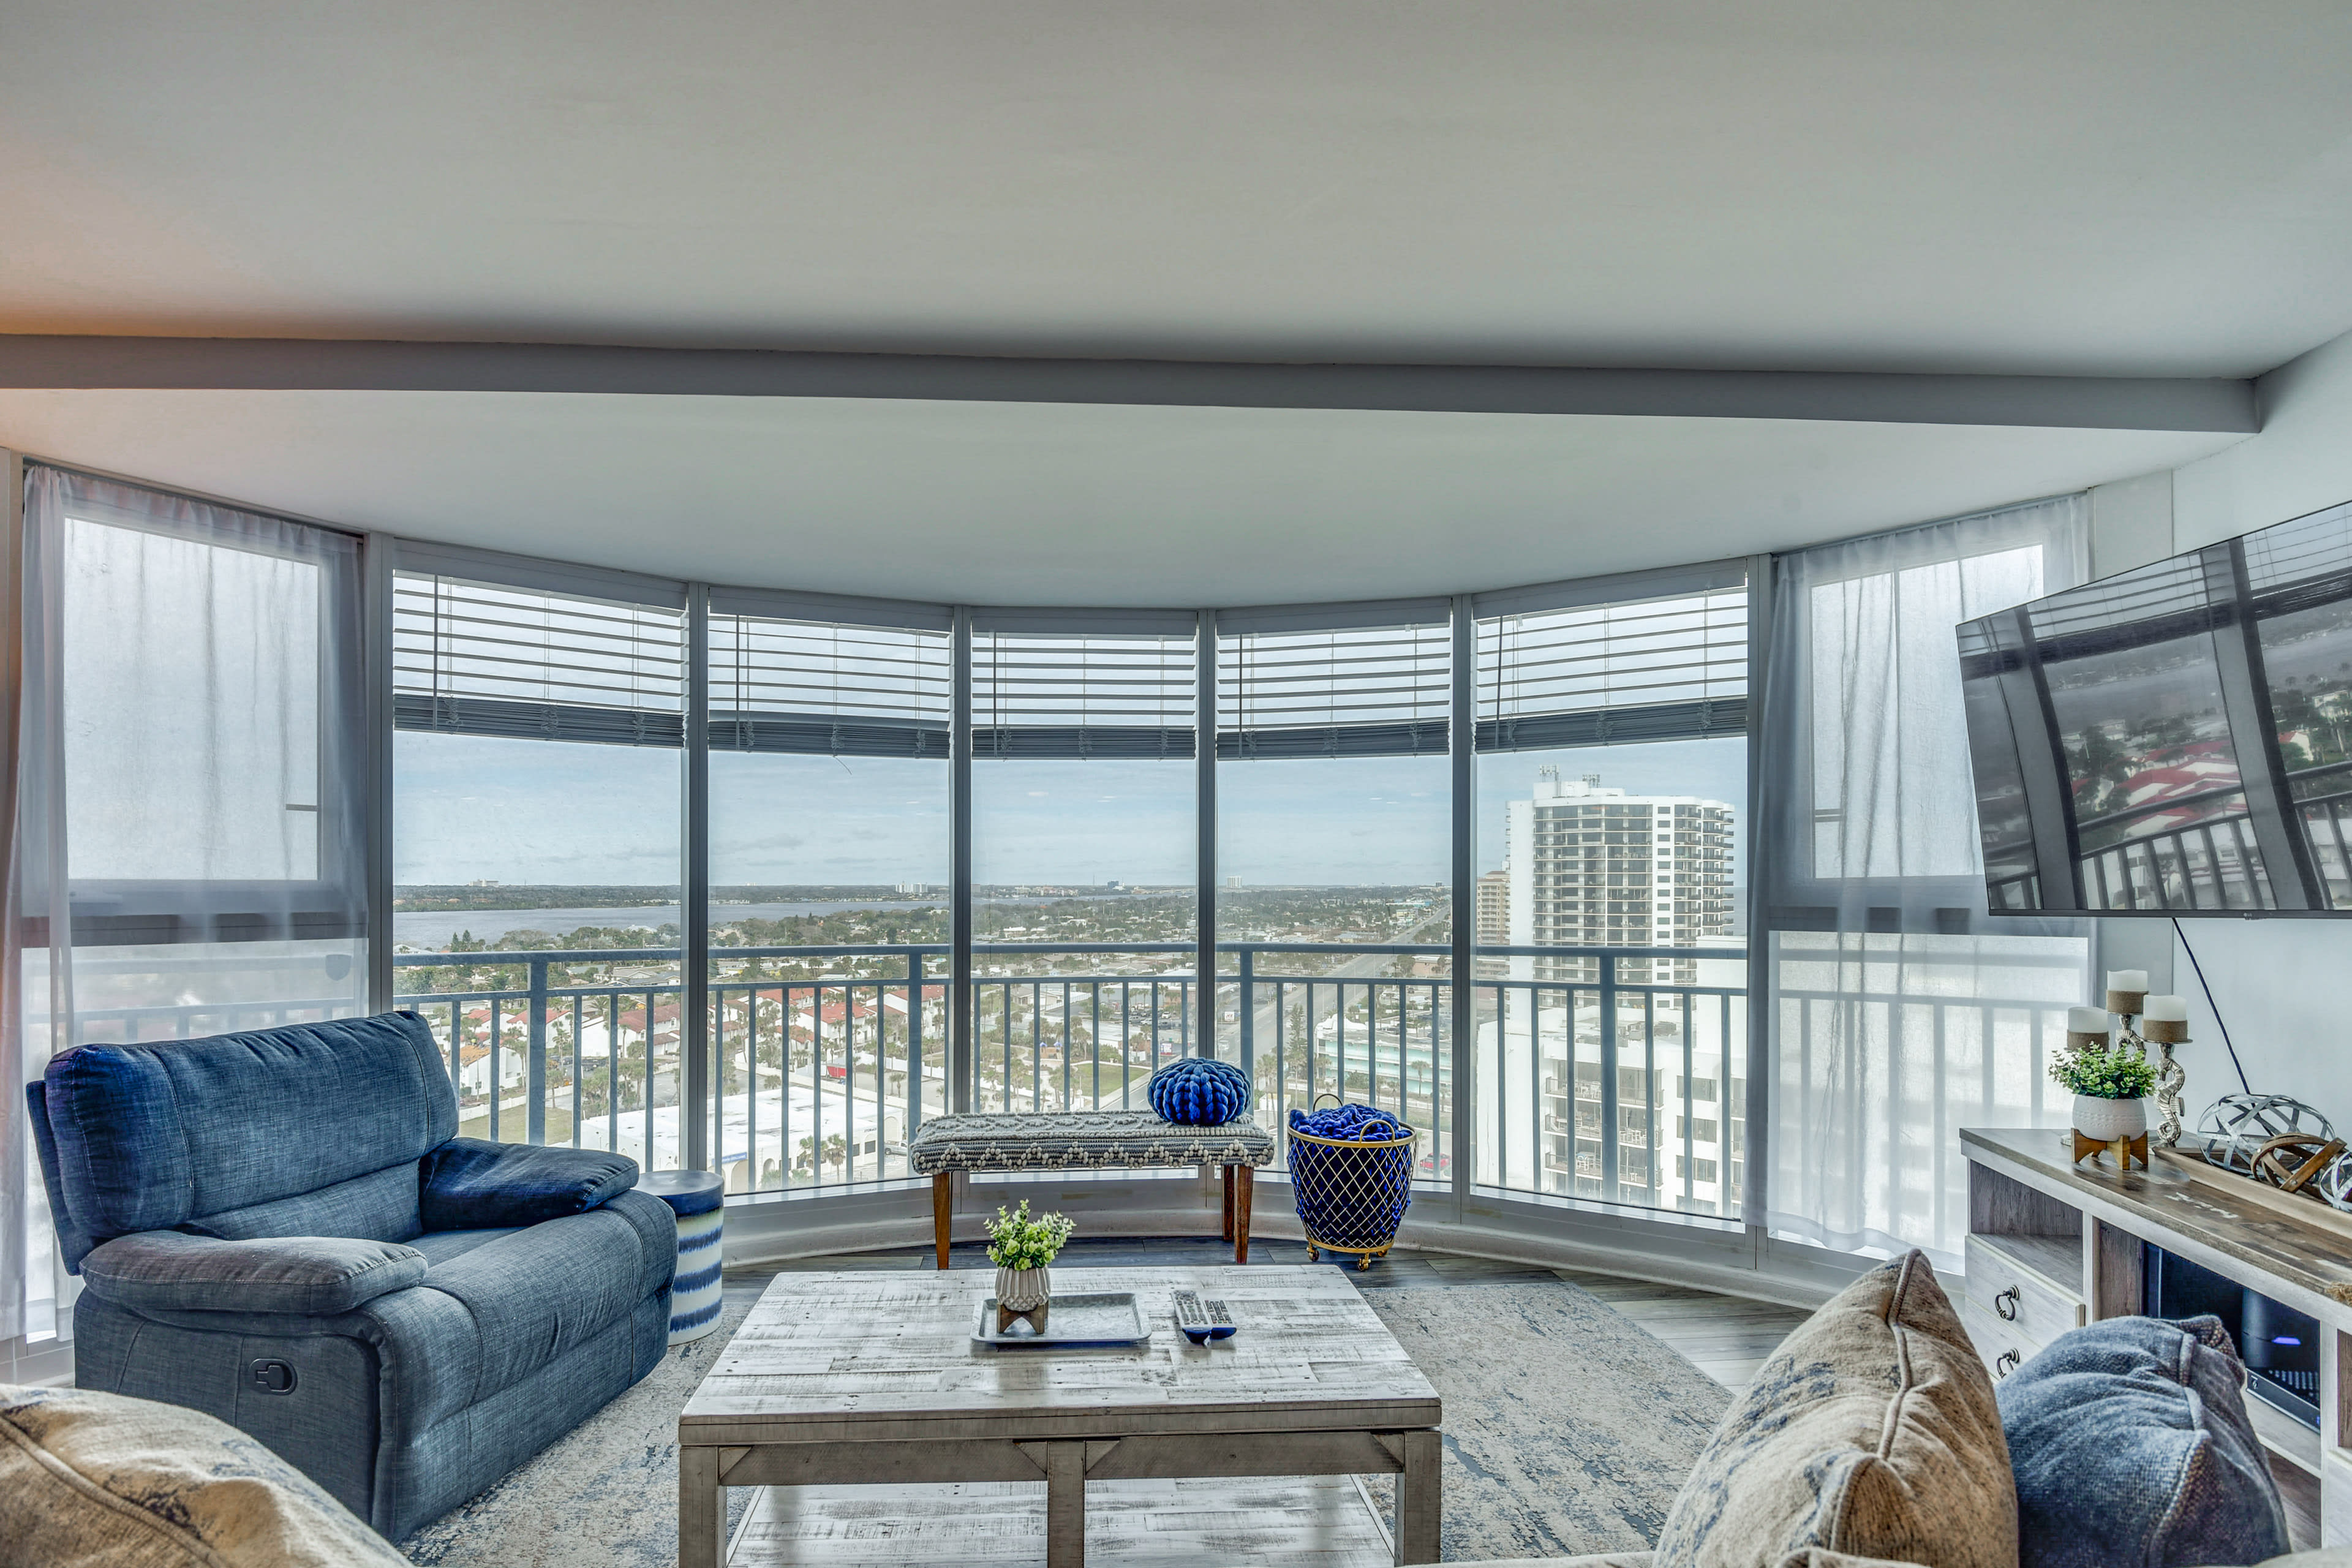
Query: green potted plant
[[1023, 1248], [2110, 1084]]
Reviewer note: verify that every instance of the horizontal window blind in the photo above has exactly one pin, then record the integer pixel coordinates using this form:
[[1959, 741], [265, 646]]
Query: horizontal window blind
[[474, 659], [1341, 692], [829, 689], [1651, 669], [2307, 553], [1050, 694]]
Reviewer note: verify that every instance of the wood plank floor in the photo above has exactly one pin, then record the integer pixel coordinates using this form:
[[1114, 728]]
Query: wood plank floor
[[1725, 1337]]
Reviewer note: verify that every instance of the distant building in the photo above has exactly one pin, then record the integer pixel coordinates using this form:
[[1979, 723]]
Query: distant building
[[1494, 906], [1589, 867], [1493, 894]]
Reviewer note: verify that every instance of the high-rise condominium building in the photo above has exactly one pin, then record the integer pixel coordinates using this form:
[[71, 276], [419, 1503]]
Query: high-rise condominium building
[[1589, 867]]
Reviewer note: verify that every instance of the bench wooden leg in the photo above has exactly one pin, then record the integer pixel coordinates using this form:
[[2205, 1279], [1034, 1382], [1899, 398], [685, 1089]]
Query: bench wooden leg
[[1229, 1203], [1244, 1192], [942, 1212]]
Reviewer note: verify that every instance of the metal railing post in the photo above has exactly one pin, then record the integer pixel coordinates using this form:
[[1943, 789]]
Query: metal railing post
[[1608, 1129], [535, 1078], [1246, 989], [914, 1041]]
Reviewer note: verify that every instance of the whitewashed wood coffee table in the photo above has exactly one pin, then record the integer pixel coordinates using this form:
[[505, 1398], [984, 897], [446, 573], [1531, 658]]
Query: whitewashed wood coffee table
[[860, 1378]]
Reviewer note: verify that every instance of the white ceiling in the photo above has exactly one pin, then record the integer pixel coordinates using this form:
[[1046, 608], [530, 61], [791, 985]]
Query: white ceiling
[[2099, 187], [1032, 503]]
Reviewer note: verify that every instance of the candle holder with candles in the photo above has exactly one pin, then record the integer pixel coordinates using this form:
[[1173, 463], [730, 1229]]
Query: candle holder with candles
[[2129, 1000], [2165, 1021], [2163, 1024]]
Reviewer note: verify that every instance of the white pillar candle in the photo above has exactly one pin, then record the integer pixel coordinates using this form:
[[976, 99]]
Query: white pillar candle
[[2167, 1010], [2126, 979], [2087, 1021]]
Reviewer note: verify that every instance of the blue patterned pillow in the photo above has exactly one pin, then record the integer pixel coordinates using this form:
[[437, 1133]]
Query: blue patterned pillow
[[1198, 1092], [2131, 1443]]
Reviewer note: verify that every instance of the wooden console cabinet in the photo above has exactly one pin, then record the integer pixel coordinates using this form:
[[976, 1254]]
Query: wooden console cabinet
[[2051, 1244]]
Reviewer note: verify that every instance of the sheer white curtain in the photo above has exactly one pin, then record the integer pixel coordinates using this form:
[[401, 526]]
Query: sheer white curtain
[[188, 838], [1900, 1011]]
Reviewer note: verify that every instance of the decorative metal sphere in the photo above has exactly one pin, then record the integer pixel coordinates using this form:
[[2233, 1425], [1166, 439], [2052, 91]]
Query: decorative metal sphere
[[2335, 1184], [2236, 1126]]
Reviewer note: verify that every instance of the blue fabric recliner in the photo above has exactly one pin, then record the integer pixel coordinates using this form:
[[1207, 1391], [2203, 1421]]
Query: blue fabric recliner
[[281, 1229]]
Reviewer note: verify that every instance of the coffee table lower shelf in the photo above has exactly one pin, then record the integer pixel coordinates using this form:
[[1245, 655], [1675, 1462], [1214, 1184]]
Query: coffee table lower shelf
[[1311, 1522], [1077, 1478]]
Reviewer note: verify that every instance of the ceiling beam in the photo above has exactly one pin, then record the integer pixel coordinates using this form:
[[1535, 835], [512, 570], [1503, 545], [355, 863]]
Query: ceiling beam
[[308, 364]]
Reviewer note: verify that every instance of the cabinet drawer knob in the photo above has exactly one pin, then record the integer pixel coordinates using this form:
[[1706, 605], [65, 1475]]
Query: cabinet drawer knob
[[2006, 1304], [2004, 1364]]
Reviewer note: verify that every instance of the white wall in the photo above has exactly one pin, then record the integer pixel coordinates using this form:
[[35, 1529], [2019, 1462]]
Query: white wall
[[2285, 986]]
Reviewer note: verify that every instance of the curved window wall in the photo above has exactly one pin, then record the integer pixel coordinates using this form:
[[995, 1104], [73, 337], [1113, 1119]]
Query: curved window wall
[[929, 858]]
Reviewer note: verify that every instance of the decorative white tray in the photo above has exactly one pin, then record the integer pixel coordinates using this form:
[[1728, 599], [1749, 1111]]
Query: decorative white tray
[[1072, 1322]]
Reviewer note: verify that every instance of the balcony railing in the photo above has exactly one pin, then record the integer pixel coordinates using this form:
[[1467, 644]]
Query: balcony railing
[[1615, 1073], [1589, 1060], [823, 1078]]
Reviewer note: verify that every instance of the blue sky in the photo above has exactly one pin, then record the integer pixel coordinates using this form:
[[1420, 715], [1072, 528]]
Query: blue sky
[[467, 808]]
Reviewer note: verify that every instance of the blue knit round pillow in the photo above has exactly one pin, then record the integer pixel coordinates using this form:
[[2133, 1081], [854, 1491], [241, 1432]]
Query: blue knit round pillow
[[1198, 1092]]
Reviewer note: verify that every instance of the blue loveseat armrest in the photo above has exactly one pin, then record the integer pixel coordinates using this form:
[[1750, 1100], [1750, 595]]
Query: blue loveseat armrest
[[472, 1184], [311, 1276]]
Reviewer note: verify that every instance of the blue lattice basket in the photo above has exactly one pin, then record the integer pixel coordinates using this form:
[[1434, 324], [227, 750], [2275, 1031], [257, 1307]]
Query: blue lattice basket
[[1351, 1194]]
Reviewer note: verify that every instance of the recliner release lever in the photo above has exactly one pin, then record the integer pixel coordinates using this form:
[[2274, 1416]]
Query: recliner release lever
[[274, 1376]]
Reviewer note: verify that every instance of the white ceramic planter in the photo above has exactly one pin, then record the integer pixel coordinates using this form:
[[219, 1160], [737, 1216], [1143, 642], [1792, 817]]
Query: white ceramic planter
[[1023, 1289], [2108, 1120]]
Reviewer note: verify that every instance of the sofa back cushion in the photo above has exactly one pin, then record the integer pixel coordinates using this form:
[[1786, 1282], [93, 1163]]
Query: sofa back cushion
[[2132, 1444], [1872, 1432], [92, 1481], [151, 1136]]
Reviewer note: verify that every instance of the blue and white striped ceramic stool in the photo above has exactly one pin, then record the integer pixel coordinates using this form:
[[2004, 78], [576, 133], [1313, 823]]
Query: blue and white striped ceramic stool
[[697, 1198]]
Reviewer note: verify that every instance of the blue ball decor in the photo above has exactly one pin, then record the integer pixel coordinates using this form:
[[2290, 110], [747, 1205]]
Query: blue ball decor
[[1199, 1092]]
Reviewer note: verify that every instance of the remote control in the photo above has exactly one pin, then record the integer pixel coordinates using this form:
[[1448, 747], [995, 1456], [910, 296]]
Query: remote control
[[1192, 1317], [1221, 1322]]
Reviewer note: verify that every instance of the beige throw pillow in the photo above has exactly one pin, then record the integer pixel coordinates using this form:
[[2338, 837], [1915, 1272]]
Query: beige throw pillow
[[96, 1480], [1872, 1432]]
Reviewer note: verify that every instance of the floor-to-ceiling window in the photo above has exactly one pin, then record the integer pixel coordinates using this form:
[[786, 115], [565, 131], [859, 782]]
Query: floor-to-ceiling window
[[1084, 854], [1901, 1012], [191, 806], [1335, 858], [537, 842], [829, 868], [1609, 849]]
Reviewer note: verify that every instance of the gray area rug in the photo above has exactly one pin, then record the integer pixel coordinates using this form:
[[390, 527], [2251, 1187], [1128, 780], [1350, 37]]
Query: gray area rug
[[1568, 1429]]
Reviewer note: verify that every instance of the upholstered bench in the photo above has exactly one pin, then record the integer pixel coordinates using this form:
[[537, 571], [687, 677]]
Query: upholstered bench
[[1087, 1141]]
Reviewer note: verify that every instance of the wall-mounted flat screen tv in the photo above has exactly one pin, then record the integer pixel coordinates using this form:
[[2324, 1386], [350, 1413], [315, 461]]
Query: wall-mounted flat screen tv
[[2175, 739]]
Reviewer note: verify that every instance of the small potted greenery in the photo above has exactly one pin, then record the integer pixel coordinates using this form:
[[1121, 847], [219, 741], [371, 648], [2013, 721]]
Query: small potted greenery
[[1021, 1249], [2110, 1084]]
